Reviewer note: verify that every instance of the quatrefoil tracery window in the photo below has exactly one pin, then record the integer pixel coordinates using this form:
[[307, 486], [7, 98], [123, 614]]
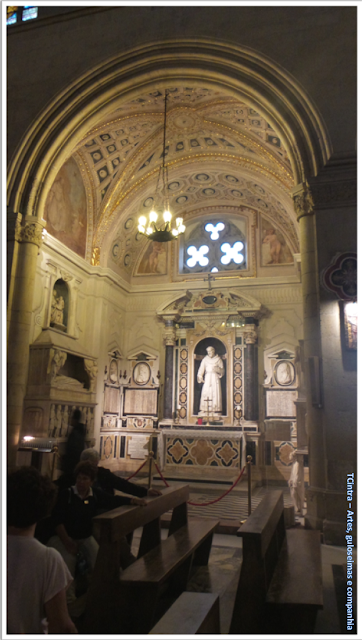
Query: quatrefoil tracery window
[[214, 246]]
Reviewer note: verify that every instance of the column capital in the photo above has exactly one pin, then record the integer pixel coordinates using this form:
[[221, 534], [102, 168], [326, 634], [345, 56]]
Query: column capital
[[303, 200], [169, 334], [251, 336], [29, 229]]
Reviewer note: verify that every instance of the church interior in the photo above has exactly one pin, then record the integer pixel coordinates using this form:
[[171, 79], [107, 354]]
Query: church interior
[[220, 337]]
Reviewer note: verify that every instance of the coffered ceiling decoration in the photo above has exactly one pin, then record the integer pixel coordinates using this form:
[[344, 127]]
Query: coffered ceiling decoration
[[219, 150]]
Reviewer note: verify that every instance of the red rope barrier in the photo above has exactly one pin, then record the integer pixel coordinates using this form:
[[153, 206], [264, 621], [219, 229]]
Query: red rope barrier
[[139, 469], [161, 476], [205, 504]]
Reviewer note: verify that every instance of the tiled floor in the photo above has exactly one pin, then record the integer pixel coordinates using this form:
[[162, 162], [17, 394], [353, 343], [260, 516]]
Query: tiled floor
[[222, 574]]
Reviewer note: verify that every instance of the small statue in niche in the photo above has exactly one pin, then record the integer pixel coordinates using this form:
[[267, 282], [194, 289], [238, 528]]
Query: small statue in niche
[[57, 310], [295, 482]]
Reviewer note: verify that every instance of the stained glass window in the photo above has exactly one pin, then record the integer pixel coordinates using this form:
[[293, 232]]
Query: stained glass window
[[212, 246]]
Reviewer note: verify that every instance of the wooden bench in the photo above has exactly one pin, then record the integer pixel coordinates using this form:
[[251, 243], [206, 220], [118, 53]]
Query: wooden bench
[[191, 613], [164, 570], [107, 601], [103, 609], [280, 587]]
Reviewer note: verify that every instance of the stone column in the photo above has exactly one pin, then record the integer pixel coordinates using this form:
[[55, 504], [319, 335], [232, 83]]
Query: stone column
[[251, 388], [28, 237], [304, 208], [169, 341]]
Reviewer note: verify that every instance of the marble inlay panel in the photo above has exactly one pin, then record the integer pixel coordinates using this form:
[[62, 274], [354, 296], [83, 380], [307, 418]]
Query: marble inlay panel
[[203, 451]]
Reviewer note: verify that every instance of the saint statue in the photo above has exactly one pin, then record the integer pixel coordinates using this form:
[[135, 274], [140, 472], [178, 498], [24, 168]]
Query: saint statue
[[210, 372], [57, 309]]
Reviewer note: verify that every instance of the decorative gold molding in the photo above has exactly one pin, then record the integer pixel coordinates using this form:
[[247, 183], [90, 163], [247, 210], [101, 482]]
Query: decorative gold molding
[[96, 257]]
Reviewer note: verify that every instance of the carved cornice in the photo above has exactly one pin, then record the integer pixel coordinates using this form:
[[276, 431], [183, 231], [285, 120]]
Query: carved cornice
[[327, 195]]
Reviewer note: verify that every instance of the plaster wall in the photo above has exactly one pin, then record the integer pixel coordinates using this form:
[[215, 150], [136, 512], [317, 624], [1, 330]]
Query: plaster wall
[[317, 45], [337, 227]]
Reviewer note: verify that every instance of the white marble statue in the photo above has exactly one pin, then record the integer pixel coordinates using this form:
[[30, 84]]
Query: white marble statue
[[210, 372], [57, 309], [296, 482]]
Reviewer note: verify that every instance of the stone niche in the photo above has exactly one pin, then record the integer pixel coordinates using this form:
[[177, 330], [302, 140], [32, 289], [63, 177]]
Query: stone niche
[[60, 380]]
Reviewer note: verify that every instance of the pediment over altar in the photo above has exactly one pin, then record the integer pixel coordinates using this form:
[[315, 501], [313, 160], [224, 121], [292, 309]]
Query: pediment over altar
[[212, 302]]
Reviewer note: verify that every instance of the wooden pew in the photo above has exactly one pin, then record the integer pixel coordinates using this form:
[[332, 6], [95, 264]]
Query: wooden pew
[[191, 613], [280, 586], [166, 567], [109, 607], [103, 608]]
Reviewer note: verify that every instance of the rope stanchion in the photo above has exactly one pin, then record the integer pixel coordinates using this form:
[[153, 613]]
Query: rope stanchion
[[139, 469], [205, 504]]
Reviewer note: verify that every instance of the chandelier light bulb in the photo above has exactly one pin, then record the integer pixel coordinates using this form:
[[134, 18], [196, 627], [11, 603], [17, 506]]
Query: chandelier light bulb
[[179, 222], [167, 216], [142, 220], [141, 229], [149, 230], [175, 232], [181, 228], [153, 216]]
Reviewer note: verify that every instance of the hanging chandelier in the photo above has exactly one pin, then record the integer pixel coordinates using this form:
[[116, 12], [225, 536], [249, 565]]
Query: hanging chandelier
[[160, 227]]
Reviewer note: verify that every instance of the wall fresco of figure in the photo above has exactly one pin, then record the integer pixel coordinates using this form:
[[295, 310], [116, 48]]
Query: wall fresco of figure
[[274, 249], [66, 209]]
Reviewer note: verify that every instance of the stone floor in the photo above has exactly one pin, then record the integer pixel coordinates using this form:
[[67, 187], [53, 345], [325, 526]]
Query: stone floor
[[221, 575]]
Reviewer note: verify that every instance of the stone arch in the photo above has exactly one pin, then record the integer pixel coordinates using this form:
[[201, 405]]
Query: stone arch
[[242, 72]]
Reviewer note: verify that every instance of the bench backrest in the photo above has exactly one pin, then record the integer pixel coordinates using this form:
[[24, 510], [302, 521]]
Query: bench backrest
[[264, 531], [113, 525], [263, 534]]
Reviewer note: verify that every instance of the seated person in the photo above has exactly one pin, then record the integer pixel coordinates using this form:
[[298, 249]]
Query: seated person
[[37, 577], [109, 481], [72, 518]]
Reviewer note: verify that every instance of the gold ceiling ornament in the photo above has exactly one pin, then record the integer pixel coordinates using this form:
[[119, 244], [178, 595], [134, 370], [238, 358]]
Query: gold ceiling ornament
[[96, 257], [165, 230]]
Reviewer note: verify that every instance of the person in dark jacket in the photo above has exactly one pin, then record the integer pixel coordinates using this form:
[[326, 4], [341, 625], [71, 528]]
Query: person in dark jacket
[[109, 482], [72, 519]]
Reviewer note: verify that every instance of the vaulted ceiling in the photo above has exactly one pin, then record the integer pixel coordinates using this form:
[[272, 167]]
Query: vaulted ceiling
[[219, 153]]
